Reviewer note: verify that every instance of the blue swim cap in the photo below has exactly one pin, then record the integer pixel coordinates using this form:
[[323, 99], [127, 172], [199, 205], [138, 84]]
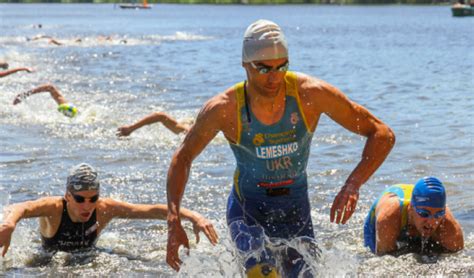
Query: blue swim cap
[[429, 192]]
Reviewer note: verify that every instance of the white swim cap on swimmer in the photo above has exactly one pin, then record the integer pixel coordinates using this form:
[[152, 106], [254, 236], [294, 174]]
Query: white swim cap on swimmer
[[82, 177], [264, 40]]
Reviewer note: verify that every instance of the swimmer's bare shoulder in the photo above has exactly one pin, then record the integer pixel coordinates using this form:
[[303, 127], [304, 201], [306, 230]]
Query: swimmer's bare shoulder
[[219, 114]]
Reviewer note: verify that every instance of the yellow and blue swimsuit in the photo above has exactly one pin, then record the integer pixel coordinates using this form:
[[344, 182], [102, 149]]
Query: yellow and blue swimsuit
[[270, 191], [403, 192]]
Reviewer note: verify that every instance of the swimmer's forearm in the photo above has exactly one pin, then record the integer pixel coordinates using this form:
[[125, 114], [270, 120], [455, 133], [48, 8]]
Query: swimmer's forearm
[[190, 215], [177, 178], [149, 119], [52, 90], [14, 213], [8, 72], [377, 148], [161, 117], [160, 211], [47, 88], [172, 124], [450, 234]]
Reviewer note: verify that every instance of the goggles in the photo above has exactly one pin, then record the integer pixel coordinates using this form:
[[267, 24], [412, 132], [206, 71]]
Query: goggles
[[423, 213], [81, 199], [262, 69]]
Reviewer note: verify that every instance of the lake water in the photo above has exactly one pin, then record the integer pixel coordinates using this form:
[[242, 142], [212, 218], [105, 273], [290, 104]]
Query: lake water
[[412, 66]]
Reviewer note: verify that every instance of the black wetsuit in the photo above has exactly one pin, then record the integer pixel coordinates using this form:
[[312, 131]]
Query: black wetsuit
[[72, 236]]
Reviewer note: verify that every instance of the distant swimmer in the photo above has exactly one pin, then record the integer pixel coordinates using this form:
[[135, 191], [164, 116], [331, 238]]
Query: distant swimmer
[[269, 121], [154, 117], [74, 221], [104, 38], [68, 109], [38, 37], [50, 39], [4, 65], [406, 216], [110, 39], [11, 71]]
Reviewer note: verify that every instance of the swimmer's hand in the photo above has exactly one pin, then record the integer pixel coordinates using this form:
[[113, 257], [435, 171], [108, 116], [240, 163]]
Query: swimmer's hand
[[29, 70], [176, 237], [6, 231], [124, 131], [201, 224], [20, 97], [344, 204]]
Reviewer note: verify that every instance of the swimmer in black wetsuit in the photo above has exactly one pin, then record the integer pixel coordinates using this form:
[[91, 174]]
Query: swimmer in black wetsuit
[[73, 222]]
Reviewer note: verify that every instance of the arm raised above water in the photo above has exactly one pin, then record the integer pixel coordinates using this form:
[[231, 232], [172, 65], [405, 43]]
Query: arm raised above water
[[8, 72], [154, 117], [48, 88]]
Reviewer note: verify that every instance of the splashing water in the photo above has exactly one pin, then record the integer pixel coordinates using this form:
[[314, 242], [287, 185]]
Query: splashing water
[[319, 261]]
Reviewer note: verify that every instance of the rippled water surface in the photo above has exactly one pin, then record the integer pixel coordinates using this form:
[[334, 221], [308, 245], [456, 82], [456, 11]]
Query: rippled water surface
[[411, 66]]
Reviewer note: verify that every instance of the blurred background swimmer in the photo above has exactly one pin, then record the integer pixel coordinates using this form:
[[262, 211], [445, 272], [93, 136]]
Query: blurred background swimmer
[[408, 217], [160, 117], [3, 65], [74, 221], [50, 39], [68, 109]]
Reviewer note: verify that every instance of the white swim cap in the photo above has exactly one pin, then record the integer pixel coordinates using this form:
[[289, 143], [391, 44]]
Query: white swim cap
[[264, 40]]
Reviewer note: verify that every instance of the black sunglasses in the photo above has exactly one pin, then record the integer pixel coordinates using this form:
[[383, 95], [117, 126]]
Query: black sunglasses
[[80, 199]]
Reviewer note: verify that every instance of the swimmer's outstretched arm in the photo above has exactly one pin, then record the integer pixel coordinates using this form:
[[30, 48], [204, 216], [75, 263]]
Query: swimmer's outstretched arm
[[154, 117], [49, 88], [118, 209], [8, 72], [43, 207]]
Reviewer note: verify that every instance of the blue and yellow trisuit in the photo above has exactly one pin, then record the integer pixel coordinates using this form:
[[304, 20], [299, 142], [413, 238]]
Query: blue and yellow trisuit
[[270, 190], [403, 192]]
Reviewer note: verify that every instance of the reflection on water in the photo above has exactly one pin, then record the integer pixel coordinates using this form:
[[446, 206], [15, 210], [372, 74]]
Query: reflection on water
[[409, 65]]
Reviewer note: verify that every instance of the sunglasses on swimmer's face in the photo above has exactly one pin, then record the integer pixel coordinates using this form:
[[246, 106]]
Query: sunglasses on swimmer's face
[[262, 69], [423, 213], [80, 199]]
